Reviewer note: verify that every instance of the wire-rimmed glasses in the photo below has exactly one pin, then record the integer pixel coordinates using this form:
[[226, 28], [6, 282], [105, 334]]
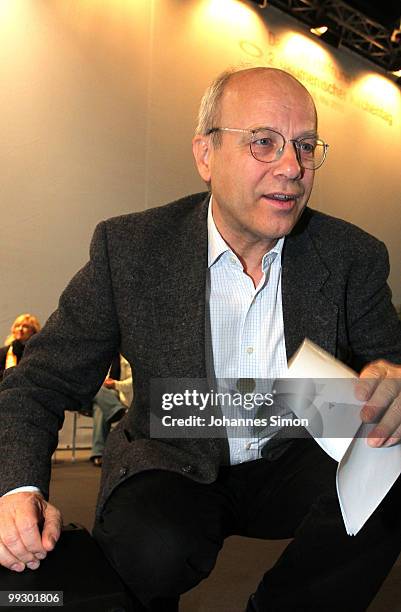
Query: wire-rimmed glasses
[[267, 145]]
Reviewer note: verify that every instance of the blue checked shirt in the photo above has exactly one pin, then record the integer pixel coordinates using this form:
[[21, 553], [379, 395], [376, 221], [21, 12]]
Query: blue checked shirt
[[246, 326]]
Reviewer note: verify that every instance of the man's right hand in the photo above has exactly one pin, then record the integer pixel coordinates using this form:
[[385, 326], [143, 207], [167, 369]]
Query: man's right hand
[[29, 529]]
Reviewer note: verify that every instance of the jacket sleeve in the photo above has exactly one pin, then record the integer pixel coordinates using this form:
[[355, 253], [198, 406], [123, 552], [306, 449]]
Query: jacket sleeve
[[63, 366], [373, 325]]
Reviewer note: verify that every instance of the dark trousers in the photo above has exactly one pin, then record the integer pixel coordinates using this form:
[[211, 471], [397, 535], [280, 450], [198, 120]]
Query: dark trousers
[[162, 532]]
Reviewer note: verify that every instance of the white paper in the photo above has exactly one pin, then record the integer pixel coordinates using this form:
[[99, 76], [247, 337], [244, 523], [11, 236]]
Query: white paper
[[364, 474]]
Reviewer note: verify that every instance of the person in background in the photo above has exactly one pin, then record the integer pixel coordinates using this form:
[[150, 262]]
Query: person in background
[[24, 326], [109, 405]]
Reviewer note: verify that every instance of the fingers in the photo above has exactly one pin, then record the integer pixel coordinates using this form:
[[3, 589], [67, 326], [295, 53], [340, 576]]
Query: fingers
[[20, 538], [383, 397], [369, 380], [380, 386], [51, 528], [21, 542], [388, 430]]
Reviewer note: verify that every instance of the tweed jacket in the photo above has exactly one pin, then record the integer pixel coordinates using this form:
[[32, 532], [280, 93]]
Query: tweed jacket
[[143, 294]]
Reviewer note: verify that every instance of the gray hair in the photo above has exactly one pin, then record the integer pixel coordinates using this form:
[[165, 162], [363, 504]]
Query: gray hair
[[209, 109]]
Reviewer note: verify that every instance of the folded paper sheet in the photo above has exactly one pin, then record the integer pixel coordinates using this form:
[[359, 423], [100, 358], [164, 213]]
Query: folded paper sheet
[[364, 474]]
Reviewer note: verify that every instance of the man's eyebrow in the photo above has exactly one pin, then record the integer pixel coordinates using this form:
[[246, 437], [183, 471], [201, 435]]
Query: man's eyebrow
[[306, 134], [257, 128], [309, 134]]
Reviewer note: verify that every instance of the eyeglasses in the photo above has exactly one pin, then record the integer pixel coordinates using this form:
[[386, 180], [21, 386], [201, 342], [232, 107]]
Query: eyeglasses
[[267, 146]]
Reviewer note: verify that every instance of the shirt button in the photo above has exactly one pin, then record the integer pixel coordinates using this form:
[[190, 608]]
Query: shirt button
[[123, 472], [233, 260], [249, 350]]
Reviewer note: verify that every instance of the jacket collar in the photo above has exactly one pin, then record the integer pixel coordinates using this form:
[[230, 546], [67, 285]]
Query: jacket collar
[[307, 312]]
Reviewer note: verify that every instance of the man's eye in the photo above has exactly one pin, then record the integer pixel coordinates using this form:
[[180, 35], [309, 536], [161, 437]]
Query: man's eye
[[263, 142], [306, 147]]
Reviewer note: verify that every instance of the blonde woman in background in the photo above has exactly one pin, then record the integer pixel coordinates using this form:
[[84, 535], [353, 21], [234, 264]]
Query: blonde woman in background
[[24, 326]]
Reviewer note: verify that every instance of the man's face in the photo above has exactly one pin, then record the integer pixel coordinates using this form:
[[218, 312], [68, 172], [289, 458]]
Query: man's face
[[246, 208]]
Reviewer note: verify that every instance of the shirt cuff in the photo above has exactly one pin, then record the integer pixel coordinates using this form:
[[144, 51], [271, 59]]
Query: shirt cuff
[[23, 490]]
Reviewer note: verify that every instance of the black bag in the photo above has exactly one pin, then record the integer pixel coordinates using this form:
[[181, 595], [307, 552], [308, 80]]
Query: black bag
[[78, 567]]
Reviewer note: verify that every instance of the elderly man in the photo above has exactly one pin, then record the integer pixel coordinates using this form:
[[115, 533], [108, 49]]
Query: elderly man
[[264, 272]]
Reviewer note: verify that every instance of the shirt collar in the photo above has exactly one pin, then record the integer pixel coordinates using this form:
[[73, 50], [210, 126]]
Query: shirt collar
[[217, 245]]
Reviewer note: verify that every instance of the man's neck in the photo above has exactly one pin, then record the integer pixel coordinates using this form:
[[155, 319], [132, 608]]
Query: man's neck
[[249, 251], [251, 257]]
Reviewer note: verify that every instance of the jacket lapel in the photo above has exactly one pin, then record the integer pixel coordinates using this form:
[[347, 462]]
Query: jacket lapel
[[307, 312], [180, 299]]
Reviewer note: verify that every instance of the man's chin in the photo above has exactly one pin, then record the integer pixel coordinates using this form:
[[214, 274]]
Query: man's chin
[[282, 223]]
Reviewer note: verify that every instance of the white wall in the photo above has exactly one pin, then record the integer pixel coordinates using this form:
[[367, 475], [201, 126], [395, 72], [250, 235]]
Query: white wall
[[98, 101]]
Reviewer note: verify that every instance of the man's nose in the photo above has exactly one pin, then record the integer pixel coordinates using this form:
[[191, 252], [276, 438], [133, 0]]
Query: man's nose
[[287, 163]]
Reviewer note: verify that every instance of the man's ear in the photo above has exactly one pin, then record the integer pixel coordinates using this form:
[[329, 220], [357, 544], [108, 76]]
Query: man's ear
[[202, 150]]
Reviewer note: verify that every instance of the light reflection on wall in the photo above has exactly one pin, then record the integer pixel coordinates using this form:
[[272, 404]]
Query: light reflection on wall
[[13, 13], [227, 18], [6, 6], [303, 52], [379, 91]]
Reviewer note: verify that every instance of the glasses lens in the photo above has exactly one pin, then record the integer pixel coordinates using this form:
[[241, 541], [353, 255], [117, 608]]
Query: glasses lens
[[266, 145], [311, 152]]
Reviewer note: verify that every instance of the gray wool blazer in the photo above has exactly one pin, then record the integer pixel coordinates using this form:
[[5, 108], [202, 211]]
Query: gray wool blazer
[[143, 294]]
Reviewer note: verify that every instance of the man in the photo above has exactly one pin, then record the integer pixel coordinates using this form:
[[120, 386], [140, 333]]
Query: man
[[153, 279]]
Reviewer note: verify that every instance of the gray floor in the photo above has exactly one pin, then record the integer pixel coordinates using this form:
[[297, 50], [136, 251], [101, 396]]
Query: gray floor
[[240, 565]]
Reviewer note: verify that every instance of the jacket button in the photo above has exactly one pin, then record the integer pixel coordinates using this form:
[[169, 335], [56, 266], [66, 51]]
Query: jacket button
[[188, 469], [123, 472]]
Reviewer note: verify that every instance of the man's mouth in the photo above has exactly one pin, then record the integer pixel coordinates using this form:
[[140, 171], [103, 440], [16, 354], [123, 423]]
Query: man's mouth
[[282, 197]]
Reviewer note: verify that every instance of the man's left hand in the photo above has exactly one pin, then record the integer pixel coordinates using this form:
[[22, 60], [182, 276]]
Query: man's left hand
[[379, 386]]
